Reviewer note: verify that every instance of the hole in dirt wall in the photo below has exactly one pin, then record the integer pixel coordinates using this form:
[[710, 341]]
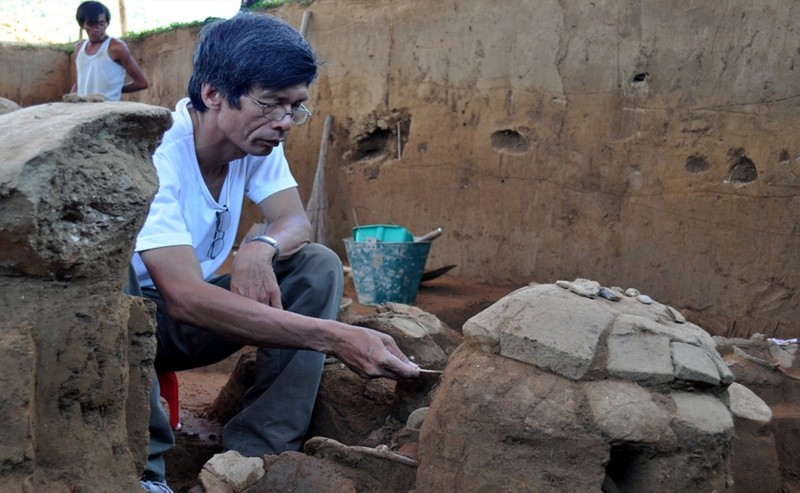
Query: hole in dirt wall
[[385, 138], [696, 164], [742, 168], [372, 145], [509, 142]]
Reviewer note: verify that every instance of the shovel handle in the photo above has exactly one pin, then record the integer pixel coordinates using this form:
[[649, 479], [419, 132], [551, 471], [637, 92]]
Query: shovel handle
[[430, 235]]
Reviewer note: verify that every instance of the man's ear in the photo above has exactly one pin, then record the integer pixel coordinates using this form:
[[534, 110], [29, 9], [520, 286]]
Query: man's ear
[[211, 96]]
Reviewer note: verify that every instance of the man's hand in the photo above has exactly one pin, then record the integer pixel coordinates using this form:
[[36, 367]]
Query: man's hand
[[252, 275], [373, 354]]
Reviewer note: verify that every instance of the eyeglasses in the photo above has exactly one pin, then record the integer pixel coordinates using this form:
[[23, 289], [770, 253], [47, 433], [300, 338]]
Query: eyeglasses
[[223, 221], [277, 112]]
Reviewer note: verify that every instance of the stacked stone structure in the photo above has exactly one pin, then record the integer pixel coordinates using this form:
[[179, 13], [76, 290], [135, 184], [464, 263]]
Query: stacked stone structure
[[576, 387]]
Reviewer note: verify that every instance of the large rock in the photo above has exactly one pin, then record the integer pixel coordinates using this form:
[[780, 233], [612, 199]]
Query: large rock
[[419, 334], [75, 185], [563, 390]]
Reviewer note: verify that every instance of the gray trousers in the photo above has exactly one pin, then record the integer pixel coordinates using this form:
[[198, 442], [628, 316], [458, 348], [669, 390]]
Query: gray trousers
[[277, 408]]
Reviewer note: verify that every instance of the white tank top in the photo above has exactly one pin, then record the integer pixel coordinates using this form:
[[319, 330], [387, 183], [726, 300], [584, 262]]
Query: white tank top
[[98, 73]]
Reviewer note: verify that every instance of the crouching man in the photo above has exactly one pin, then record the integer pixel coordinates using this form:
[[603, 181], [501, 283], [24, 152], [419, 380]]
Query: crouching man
[[250, 78]]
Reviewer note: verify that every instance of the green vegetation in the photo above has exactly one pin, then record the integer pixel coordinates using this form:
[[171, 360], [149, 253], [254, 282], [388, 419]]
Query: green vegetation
[[271, 4], [158, 30], [64, 47], [267, 4]]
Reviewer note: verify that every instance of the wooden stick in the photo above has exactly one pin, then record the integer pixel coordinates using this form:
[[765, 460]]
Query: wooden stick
[[317, 205], [399, 142], [304, 23]]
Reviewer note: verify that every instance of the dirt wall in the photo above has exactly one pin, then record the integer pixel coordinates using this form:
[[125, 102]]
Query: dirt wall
[[648, 144], [32, 75]]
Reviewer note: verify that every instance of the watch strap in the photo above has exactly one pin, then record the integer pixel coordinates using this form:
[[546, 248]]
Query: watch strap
[[269, 241]]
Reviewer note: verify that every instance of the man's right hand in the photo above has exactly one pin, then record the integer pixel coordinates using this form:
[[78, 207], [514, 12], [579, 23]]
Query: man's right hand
[[374, 354]]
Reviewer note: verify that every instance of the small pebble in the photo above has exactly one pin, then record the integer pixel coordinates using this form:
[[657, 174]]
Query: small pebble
[[632, 292], [644, 299], [610, 294], [675, 315]]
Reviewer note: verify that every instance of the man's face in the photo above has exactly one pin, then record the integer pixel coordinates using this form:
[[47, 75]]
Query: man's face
[[264, 119], [96, 30]]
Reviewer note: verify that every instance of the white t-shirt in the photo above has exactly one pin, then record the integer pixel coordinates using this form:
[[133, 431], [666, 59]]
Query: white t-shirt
[[183, 211]]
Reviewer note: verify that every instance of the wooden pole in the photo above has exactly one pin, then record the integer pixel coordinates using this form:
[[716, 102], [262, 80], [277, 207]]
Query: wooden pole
[[123, 18], [317, 207], [304, 23]]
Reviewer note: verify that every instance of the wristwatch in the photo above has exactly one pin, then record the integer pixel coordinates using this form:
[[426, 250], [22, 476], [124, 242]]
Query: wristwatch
[[269, 241]]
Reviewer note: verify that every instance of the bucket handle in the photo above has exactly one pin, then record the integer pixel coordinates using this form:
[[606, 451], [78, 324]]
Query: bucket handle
[[429, 236]]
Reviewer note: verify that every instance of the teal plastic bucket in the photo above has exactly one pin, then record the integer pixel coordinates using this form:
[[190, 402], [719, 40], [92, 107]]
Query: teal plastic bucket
[[387, 272]]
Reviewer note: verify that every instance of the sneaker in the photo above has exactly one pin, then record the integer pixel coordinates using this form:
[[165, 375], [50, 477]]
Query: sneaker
[[155, 486]]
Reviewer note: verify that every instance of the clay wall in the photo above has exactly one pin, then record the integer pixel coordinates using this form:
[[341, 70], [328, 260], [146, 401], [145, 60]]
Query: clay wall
[[32, 75], [648, 144]]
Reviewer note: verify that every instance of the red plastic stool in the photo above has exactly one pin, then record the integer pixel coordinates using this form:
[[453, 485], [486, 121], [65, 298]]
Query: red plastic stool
[[168, 382]]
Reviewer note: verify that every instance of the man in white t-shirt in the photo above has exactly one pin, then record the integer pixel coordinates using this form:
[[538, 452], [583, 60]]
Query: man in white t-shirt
[[103, 63], [250, 78]]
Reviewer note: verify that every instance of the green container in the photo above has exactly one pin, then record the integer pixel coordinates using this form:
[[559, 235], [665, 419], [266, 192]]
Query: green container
[[387, 272], [388, 233]]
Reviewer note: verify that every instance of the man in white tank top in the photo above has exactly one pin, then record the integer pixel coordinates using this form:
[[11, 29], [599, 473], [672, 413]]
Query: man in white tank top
[[103, 62]]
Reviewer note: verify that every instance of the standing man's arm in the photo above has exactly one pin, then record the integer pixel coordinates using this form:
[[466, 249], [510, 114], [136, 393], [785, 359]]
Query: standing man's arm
[[119, 52], [287, 223]]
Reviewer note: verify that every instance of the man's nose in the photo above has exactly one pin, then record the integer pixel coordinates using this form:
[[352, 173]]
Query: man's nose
[[285, 122]]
